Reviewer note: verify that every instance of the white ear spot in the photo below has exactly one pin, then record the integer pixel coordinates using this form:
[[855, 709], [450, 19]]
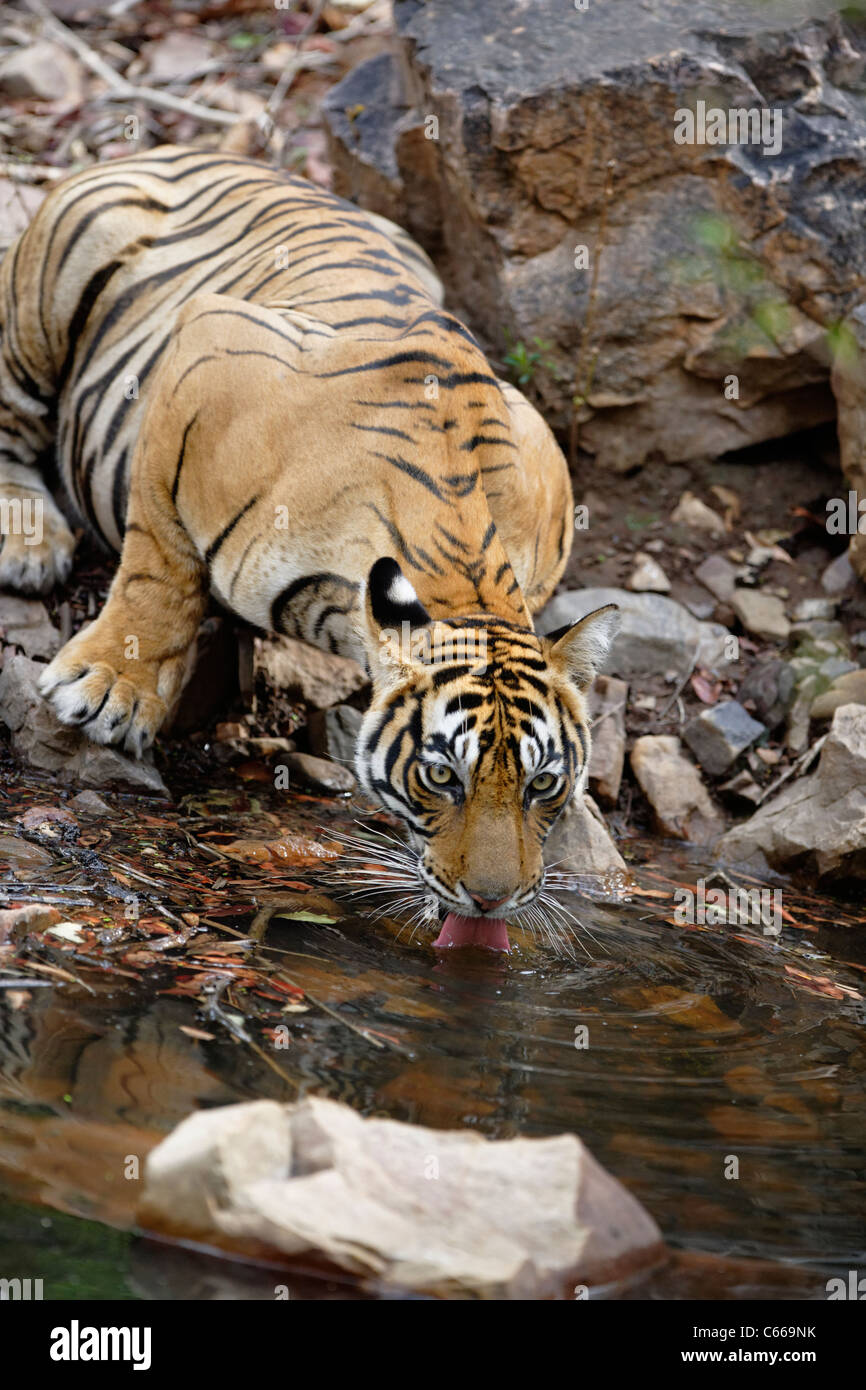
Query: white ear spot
[[400, 592]]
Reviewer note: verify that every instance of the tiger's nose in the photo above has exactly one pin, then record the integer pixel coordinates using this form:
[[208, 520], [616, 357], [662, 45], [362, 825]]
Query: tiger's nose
[[487, 904]]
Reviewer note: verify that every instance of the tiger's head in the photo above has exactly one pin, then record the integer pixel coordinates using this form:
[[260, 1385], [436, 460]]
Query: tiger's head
[[477, 737]]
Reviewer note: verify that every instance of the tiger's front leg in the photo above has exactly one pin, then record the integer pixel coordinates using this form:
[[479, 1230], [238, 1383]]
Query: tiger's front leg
[[119, 678]]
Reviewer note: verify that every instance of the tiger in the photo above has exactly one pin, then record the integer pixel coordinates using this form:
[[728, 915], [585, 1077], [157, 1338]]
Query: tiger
[[250, 389]]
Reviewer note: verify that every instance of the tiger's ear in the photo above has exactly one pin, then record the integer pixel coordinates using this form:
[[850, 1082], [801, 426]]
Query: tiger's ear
[[580, 649], [392, 612]]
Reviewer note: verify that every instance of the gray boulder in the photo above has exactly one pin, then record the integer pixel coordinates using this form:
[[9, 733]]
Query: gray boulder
[[819, 822], [506, 144], [656, 634]]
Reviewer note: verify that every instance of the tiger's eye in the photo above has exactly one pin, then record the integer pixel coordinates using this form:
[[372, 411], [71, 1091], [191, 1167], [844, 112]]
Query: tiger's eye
[[543, 782], [440, 775]]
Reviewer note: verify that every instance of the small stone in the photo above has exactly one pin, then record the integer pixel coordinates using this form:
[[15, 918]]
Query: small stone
[[607, 702], [16, 922], [89, 803], [24, 623], [836, 666], [797, 735], [761, 614], [717, 736], [839, 575], [42, 72], [808, 609], [177, 56], [230, 731], [770, 687], [701, 604], [719, 576], [822, 630], [742, 788], [320, 773], [648, 576], [692, 512], [848, 689], [673, 787], [333, 733], [769, 756], [268, 747]]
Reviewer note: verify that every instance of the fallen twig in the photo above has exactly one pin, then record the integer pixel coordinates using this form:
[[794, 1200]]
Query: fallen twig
[[802, 763], [119, 88]]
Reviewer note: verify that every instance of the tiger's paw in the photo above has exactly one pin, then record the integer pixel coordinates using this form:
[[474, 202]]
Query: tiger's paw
[[88, 692], [36, 545]]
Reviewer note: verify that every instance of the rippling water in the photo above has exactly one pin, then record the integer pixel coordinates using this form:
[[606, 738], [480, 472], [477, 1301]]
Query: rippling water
[[718, 1072]]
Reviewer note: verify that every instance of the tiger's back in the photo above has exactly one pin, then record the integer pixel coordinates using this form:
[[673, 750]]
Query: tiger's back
[[254, 392], [92, 292]]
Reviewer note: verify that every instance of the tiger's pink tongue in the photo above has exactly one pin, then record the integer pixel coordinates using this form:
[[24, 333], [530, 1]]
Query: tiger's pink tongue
[[490, 932]]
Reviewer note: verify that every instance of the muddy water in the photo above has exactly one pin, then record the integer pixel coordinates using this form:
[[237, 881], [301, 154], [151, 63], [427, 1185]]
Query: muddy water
[[719, 1072]]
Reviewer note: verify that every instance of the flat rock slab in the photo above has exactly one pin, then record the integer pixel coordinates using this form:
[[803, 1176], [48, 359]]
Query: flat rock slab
[[439, 1212], [44, 742], [819, 822], [656, 634]]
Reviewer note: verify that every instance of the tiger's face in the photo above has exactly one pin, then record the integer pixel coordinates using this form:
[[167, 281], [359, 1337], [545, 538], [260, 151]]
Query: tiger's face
[[477, 737]]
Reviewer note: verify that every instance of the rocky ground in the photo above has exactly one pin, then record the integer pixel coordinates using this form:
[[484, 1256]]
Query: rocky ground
[[744, 627]]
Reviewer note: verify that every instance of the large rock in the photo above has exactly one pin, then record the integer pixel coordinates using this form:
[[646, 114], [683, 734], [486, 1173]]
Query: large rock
[[607, 702], [499, 141], [580, 843], [319, 678], [655, 635], [673, 787], [439, 1212], [44, 742], [819, 822]]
